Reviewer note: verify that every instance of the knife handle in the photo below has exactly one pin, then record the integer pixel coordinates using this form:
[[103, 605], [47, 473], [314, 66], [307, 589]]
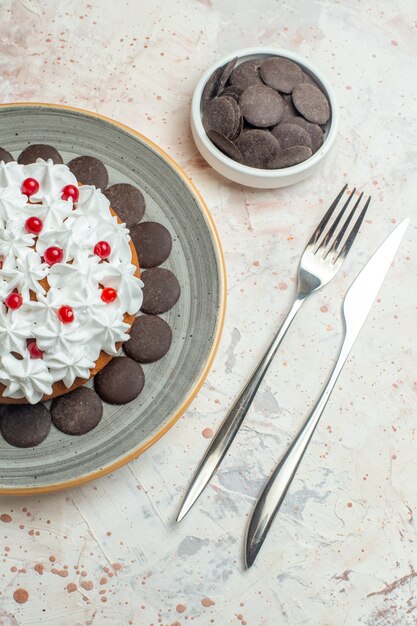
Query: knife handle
[[277, 486]]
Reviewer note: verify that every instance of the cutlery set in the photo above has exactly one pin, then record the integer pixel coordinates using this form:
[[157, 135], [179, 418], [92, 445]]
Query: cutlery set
[[322, 258]]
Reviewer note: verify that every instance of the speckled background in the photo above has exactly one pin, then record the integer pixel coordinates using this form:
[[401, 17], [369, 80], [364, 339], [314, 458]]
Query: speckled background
[[342, 551]]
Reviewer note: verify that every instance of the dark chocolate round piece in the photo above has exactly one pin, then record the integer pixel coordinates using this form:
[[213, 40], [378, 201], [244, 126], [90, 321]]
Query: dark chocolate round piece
[[120, 382], [311, 103], [39, 151], [127, 201], [291, 135], [225, 145], [5, 156], [308, 79], [261, 105], [77, 412], [211, 87], [238, 117], [246, 74], [257, 147], [161, 290], [289, 109], [150, 339], [220, 115], [232, 91], [228, 69], [25, 425], [152, 242], [316, 132], [289, 156], [280, 73], [89, 171]]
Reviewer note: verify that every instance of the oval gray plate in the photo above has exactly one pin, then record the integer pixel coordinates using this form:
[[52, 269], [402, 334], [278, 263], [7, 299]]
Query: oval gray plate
[[196, 320]]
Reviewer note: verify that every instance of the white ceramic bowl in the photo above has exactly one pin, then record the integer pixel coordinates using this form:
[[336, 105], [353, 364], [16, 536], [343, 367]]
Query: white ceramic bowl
[[251, 176]]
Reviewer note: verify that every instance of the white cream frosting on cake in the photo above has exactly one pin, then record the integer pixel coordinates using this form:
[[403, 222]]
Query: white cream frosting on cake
[[70, 350]]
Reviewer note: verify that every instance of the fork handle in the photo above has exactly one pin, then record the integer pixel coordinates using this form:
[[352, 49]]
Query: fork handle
[[274, 492], [227, 432]]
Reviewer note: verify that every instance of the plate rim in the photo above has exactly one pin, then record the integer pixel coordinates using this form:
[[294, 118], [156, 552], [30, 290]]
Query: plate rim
[[67, 484]]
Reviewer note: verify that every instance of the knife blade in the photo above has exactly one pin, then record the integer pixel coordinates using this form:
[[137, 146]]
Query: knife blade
[[357, 303]]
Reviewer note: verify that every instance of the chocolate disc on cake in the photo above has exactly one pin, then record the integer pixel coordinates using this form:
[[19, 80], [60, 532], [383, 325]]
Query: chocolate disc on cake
[[89, 171], [161, 290], [39, 151], [121, 381], [127, 201], [5, 156], [150, 339], [152, 242], [25, 425], [77, 412]]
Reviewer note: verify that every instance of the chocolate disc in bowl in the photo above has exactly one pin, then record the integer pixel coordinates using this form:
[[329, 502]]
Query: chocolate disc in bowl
[[257, 147], [315, 131], [225, 145], [226, 74], [246, 74], [291, 135], [289, 156], [281, 74], [211, 87], [311, 103], [261, 106], [221, 115]]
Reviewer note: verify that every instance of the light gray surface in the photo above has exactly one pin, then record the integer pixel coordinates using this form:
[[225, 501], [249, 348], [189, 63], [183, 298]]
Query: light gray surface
[[193, 320]]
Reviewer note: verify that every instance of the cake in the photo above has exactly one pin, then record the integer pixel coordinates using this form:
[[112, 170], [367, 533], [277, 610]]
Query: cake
[[69, 281]]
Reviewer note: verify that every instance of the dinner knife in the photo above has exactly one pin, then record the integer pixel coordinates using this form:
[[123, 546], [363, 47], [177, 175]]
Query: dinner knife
[[357, 303]]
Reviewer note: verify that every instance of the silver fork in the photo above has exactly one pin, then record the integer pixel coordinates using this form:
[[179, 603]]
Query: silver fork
[[321, 260]]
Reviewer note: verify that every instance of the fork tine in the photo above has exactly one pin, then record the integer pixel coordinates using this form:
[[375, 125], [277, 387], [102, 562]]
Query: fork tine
[[323, 223], [328, 236], [349, 241], [343, 230]]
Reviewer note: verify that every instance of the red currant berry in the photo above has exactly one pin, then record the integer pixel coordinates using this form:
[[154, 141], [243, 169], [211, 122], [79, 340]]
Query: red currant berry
[[70, 191], [102, 249], [30, 186], [108, 295], [14, 300], [34, 351], [66, 314], [34, 225], [53, 255]]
